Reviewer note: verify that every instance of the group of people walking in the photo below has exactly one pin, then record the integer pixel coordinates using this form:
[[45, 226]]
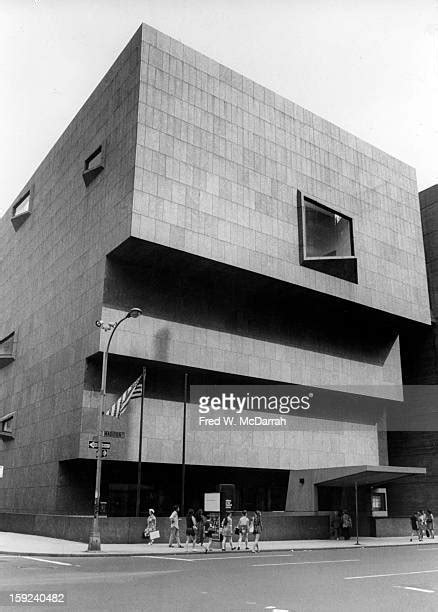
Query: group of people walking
[[245, 526], [200, 529], [422, 524]]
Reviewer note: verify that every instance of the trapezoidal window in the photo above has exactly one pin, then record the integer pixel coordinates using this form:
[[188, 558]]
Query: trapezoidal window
[[21, 210], [326, 240], [6, 427], [94, 164], [7, 350]]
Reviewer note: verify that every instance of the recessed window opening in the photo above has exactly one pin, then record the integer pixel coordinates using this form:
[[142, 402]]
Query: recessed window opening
[[6, 424], [327, 233], [95, 160], [7, 427], [7, 344], [22, 206], [325, 239], [94, 165]]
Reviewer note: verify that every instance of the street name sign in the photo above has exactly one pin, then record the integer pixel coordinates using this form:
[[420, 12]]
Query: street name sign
[[95, 444]]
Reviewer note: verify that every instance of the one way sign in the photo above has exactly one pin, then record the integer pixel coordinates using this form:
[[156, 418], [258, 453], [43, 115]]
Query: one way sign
[[95, 444]]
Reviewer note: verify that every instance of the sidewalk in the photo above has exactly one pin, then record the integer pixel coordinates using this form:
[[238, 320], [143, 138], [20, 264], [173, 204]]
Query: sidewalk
[[24, 544]]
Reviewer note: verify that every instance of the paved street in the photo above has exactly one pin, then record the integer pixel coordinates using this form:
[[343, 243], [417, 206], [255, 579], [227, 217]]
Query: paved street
[[390, 579]]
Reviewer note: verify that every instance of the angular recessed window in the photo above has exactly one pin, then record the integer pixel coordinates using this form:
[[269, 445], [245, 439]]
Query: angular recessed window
[[94, 164], [7, 350], [21, 210], [6, 426], [23, 205], [326, 240]]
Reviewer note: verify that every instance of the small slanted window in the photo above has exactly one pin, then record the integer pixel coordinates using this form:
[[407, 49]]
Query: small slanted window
[[94, 164], [21, 210], [326, 240], [6, 426], [7, 350]]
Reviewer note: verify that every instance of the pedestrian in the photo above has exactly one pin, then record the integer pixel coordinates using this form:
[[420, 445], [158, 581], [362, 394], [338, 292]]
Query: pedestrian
[[346, 525], [414, 525], [257, 530], [227, 531], [151, 526], [429, 524], [190, 529], [208, 529], [337, 524], [421, 524], [243, 527], [200, 527], [174, 528]]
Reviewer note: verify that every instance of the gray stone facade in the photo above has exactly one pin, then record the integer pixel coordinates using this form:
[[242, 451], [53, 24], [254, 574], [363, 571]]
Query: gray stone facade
[[417, 444], [200, 169]]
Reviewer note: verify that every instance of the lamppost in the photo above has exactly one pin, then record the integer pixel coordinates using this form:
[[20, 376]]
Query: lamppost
[[94, 541]]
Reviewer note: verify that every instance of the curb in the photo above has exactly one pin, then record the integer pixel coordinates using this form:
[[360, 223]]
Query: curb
[[86, 554]]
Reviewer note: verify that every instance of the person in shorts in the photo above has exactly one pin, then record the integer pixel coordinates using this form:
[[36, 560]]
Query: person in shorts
[[243, 527], [227, 531]]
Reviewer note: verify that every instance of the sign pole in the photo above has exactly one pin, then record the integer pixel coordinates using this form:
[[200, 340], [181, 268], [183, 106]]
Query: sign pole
[[183, 466], [357, 513], [140, 444], [95, 541]]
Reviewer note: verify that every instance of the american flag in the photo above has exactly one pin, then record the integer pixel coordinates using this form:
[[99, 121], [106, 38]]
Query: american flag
[[135, 390]]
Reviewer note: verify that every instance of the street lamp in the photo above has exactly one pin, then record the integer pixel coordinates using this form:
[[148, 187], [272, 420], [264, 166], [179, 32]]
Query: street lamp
[[94, 541]]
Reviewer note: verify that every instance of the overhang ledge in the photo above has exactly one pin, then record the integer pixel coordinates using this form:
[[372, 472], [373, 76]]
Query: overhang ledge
[[362, 475]]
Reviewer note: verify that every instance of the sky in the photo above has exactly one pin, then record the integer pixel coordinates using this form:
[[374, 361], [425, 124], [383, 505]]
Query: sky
[[369, 66]]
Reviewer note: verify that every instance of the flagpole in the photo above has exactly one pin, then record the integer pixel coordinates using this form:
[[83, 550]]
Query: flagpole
[[140, 441], [183, 466]]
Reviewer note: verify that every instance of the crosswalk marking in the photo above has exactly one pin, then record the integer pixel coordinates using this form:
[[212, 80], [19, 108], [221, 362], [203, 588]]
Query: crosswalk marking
[[304, 562], [414, 589], [47, 561], [166, 558], [434, 571]]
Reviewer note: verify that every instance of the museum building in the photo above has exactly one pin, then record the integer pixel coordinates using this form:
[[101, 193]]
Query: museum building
[[264, 246]]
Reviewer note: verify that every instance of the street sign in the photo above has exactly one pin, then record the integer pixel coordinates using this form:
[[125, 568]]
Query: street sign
[[1, 471], [95, 444], [212, 502], [104, 453]]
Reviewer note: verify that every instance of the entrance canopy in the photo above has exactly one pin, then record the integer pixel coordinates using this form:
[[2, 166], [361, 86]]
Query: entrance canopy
[[360, 475]]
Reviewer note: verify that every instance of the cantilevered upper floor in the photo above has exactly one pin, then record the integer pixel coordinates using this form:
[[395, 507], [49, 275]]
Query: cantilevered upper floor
[[231, 171], [178, 150]]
